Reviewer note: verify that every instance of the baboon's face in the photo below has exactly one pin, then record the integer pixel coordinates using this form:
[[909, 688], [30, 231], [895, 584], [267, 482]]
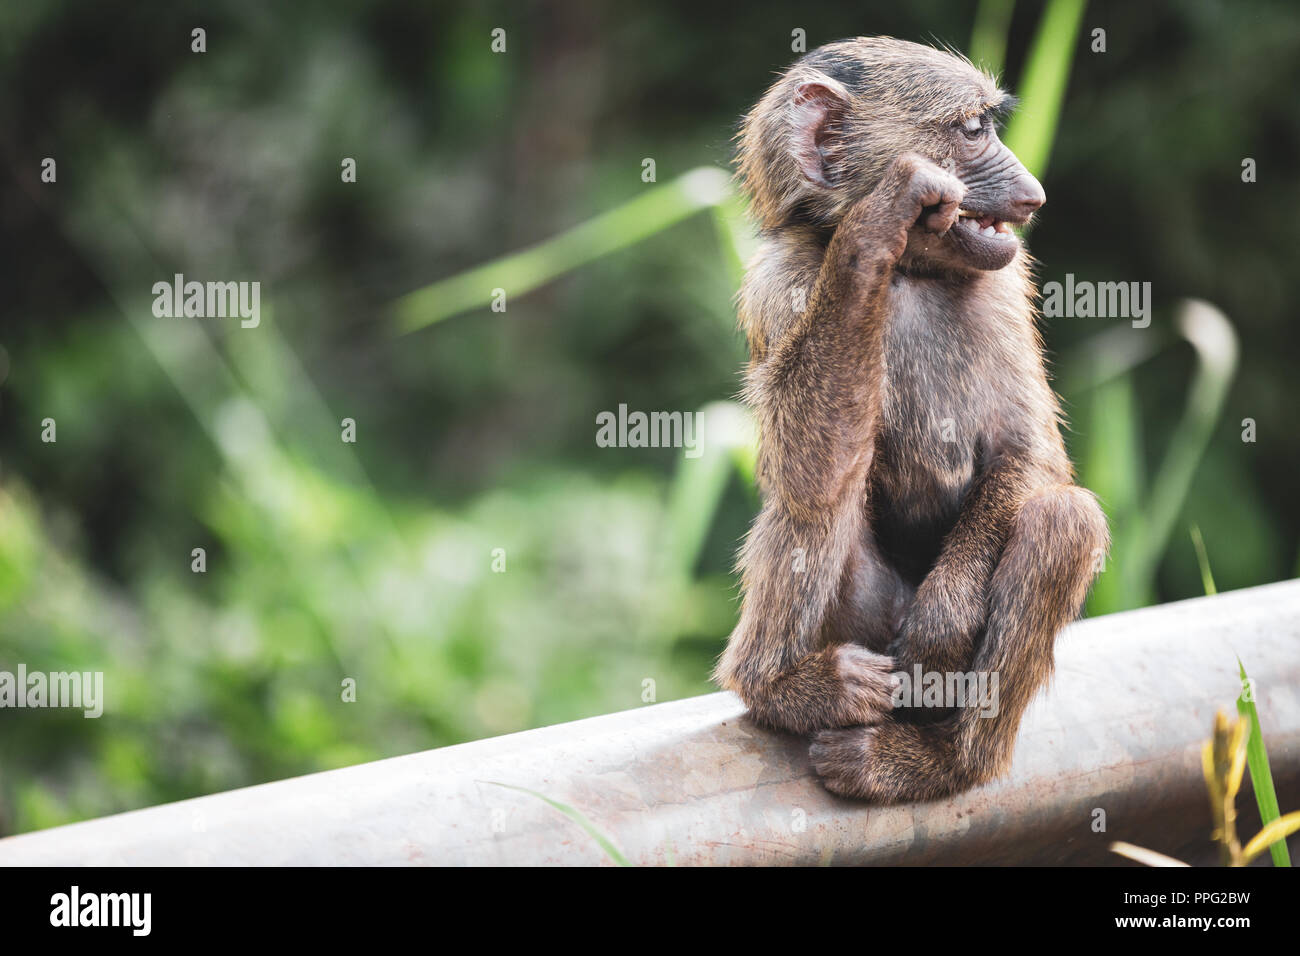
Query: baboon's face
[[825, 134], [1001, 195]]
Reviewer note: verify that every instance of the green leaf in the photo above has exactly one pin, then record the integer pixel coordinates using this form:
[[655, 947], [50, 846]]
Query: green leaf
[[1215, 343], [605, 842], [1273, 835], [1111, 463], [1033, 129], [1203, 559], [655, 210], [1261, 777], [727, 436], [1112, 467], [988, 39]]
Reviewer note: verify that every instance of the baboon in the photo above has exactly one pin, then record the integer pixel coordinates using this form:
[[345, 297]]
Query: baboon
[[918, 503]]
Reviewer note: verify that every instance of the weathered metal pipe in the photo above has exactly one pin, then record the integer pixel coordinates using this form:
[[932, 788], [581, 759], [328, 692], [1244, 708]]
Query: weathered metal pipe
[[694, 782]]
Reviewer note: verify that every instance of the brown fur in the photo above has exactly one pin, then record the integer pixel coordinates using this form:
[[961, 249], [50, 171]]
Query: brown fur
[[959, 552]]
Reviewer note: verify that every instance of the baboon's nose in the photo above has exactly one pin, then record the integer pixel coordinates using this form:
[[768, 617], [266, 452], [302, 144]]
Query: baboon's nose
[[1027, 196]]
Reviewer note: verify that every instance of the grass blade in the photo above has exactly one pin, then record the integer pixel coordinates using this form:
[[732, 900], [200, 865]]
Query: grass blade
[[1143, 855], [1261, 777], [576, 816], [1273, 835], [1111, 465], [1215, 343], [649, 213], [735, 234], [1203, 559], [1033, 129], [728, 437], [988, 38]]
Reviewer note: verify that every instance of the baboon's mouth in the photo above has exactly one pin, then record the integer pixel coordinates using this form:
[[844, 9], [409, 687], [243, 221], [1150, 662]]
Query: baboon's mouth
[[984, 240], [984, 224]]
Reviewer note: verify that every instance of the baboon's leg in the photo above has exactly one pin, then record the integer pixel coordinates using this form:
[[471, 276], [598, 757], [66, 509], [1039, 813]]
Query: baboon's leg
[[1038, 587], [941, 627], [796, 668]]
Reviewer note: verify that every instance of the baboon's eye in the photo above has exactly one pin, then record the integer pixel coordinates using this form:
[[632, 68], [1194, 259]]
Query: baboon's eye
[[973, 127]]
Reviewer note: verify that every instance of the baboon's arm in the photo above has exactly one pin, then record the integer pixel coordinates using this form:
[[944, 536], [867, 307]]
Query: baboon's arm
[[819, 383], [819, 388]]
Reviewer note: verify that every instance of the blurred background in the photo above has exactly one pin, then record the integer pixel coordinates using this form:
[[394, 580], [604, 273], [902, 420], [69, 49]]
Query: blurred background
[[475, 429]]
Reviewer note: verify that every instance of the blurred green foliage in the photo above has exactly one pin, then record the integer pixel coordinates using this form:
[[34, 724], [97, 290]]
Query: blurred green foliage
[[374, 561]]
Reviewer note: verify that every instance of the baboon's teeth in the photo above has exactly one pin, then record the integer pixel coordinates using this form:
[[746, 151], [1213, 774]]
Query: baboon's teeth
[[987, 227]]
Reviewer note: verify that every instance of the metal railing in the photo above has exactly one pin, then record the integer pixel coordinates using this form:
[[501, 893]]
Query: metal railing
[[1110, 752]]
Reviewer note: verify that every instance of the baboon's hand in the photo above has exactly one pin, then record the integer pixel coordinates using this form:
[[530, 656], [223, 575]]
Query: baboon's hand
[[840, 686], [914, 191], [929, 196], [866, 687]]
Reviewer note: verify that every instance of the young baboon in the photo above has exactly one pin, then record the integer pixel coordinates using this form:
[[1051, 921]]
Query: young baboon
[[918, 506]]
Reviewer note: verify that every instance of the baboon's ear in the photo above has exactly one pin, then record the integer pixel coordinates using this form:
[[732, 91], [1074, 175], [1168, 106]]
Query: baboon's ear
[[816, 113]]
